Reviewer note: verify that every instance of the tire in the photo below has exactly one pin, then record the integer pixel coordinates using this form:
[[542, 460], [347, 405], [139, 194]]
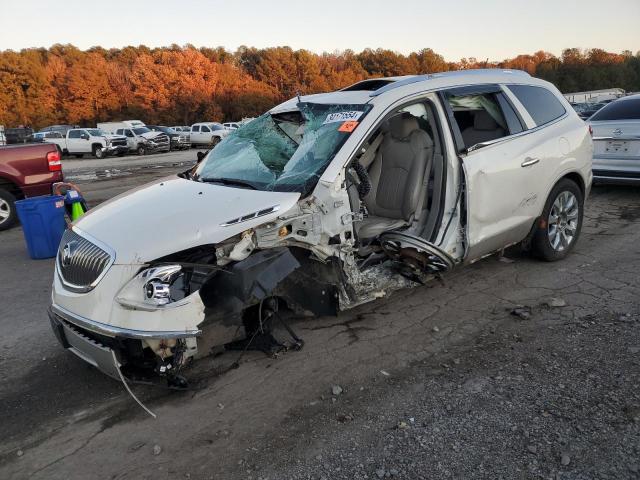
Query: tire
[[561, 222], [214, 141], [97, 152], [141, 150], [78, 155], [121, 154], [8, 216]]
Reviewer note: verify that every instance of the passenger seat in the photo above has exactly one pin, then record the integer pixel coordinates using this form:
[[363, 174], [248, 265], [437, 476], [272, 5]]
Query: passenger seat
[[484, 128], [396, 176]]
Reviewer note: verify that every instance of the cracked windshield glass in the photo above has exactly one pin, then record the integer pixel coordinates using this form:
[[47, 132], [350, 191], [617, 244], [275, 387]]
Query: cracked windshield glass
[[285, 152]]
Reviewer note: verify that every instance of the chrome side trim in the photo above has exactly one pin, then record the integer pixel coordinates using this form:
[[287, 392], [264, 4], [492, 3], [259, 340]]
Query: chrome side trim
[[113, 331]]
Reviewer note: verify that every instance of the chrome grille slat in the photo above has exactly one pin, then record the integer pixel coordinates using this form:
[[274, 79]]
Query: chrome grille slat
[[86, 264]]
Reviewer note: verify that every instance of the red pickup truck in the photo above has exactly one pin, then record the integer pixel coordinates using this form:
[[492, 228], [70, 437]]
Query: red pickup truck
[[26, 171]]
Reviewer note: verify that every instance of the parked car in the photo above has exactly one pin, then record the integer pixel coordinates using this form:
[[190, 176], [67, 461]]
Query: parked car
[[323, 203], [26, 171], [585, 110], [82, 141], [62, 129], [113, 126], [231, 125], [616, 139], [39, 137], [141, 140], [17, 135], [177, 140], [207, 133]]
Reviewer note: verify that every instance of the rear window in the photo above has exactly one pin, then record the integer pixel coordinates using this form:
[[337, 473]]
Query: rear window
[[619, 110], [542, 105]]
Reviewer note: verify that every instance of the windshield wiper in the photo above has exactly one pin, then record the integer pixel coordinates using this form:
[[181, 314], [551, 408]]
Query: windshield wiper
[[229, 181]]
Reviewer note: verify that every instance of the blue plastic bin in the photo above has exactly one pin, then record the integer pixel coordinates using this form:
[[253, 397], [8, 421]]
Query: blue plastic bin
[[43, 224]]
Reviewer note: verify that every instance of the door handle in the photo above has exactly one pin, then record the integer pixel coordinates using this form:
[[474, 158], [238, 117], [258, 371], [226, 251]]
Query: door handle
[[529, 161]]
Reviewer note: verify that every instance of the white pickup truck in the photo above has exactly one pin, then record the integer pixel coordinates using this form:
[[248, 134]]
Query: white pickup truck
[[80, 141], [140, 139]]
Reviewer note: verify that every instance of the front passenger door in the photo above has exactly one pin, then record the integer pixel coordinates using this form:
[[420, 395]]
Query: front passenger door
[[502, 192], [75, 141]]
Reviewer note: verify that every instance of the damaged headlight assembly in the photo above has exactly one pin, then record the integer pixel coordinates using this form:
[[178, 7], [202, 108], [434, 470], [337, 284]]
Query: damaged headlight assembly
[[158, 287]]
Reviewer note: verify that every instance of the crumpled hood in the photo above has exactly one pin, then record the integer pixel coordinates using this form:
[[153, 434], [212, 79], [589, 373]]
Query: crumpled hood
[[151, 135], [174, 214]]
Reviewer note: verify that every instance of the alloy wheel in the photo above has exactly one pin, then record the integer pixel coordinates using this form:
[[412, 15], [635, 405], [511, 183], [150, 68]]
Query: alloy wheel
[[5, 210], [563, 219]]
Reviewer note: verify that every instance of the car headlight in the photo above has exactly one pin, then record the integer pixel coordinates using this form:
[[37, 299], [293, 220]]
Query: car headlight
[[163, 286], [152, 288]]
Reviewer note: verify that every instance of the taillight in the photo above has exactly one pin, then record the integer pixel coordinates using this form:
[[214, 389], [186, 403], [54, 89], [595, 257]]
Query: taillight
[[53, 159], [590, 131]]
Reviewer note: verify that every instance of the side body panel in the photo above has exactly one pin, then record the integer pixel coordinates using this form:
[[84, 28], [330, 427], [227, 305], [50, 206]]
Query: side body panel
[[508, 182], [26, 166]]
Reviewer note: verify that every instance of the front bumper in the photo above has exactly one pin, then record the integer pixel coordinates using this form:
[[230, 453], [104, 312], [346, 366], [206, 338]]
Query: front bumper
[[116, 150], [179, 143], [98, 343]]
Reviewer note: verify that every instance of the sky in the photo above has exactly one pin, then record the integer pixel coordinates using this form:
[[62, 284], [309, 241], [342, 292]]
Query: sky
[[485, 29]]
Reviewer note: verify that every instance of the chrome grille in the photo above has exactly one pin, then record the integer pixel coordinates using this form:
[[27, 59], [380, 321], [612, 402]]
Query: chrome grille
[[116, 143], [80, 262]]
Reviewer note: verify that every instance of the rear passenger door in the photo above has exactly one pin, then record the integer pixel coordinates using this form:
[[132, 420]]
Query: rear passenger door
[[502, 191]]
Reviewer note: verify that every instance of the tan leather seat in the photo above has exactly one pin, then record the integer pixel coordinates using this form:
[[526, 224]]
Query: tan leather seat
[[396, 176], [484, 128]]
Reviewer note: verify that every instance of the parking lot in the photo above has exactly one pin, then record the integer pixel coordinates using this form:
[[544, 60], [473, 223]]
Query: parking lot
[[512, 368]]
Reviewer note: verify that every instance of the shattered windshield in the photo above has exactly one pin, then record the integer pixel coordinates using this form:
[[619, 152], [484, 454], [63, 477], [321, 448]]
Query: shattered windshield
[[285, 152]]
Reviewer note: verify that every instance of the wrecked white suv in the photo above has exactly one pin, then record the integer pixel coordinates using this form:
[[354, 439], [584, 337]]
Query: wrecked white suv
[[323, 203]]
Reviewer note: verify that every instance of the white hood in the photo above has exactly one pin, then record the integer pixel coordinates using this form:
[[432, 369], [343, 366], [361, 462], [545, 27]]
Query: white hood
[[150, 135], [174, 214]]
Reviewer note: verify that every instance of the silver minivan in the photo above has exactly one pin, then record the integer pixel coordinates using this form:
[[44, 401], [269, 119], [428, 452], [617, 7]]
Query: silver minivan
[[323, 203]]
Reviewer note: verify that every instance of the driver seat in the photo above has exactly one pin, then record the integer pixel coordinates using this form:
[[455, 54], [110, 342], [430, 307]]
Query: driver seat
[[396, 176]]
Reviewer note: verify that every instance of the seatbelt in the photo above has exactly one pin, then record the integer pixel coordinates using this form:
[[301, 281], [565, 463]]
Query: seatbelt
[[423, 192], [367, 157]]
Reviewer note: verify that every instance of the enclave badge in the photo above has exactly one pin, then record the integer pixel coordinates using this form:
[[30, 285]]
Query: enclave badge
[[67, 252]]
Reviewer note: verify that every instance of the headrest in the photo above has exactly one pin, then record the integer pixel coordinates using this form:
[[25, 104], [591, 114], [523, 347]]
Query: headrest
[[483, 121], [401, 126]]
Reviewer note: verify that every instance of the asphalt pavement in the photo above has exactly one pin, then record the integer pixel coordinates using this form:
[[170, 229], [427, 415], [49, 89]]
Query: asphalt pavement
[[442, 381]]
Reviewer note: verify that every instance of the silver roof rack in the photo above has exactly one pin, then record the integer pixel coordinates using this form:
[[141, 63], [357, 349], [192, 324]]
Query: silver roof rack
[[456, 73]]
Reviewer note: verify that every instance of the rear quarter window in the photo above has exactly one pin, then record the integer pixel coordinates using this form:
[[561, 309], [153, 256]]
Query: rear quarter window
[[619, 110], [542, 105]]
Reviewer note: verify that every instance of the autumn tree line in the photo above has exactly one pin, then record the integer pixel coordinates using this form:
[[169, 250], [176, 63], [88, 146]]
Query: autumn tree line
[[180, 85]]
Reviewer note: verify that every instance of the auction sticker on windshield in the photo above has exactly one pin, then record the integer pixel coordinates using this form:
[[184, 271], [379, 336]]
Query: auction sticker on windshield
[[353, 115], [348, 127]]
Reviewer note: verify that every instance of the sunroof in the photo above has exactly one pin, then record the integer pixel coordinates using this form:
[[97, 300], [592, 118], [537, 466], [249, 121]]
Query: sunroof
[[368, 85]]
